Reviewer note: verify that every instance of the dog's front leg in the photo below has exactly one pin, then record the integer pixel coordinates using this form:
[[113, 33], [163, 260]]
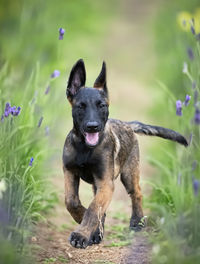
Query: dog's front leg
[[92, 220], [72, 201]]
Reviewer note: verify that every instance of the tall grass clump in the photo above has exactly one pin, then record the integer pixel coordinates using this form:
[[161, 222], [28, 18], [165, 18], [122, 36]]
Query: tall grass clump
[[24, 191], [175, 198]]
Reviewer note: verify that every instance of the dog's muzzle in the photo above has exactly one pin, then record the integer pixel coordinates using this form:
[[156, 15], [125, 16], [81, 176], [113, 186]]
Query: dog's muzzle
[[91, 133]]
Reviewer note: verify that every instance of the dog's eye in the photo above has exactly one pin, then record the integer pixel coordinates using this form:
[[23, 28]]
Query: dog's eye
[[101, 104], [81, 106]]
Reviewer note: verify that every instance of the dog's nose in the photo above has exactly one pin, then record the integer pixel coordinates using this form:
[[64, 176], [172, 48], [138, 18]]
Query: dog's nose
[[92, 126]]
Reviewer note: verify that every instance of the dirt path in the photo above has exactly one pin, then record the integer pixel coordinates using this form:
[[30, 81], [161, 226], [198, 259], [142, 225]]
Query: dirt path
[[127, 47], [50, 242]]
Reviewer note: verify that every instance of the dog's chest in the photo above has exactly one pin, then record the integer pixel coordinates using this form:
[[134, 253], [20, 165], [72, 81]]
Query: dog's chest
[[86, 165], [90, 167]]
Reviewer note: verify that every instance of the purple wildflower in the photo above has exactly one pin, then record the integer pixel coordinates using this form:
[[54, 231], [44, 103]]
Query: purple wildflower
[[192, 30], [197, 116], [61, 33], [47, 89], [179, 108], [15, 111], [2, 118], [40, 121], [187, 99], [6, 114], [7, 110], [7, 106], [18, 110], [55, 74], [190, 53], [195, 184], [31, 161]]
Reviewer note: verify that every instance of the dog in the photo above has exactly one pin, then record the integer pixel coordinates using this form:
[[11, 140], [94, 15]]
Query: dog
[[97, 150]]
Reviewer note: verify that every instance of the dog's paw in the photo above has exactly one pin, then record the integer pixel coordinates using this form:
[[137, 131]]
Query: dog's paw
[[78, 241], [96, 237], [137, 223]]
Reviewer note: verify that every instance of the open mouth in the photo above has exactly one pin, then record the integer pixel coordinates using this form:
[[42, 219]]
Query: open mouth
[[92, 139]]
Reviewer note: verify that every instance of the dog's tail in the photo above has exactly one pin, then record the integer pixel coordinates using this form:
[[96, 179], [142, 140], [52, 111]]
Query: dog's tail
[[143, 129]]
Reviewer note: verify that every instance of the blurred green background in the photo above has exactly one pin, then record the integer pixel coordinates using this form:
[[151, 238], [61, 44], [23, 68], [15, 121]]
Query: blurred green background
[[144, 44]]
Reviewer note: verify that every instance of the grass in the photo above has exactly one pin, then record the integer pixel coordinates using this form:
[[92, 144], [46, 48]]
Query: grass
[[175, 198], [59, 259], [103, 262], [27, 191], [121, 217], [119, 235]]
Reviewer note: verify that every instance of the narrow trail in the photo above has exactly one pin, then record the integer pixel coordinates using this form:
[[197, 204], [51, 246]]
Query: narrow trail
[[126, 48]]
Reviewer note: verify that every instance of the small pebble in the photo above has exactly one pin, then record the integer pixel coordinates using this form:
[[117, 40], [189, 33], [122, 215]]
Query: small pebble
[[69, 254], [34, 239]]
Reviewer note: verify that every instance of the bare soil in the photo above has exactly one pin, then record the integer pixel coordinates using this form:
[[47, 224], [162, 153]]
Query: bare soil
[[53, 247]]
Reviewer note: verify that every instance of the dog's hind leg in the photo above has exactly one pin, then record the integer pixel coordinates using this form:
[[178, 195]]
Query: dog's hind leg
[[130, 180]]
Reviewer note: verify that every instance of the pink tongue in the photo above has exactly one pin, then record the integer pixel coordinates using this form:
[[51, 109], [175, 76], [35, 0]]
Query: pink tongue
[[92, 138]]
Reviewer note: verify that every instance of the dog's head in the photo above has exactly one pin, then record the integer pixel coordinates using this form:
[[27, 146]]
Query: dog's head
[[89, 105]]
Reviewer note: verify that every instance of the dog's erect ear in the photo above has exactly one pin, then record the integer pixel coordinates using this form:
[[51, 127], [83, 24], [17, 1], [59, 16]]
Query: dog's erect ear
[[76, 79], [100, 82]]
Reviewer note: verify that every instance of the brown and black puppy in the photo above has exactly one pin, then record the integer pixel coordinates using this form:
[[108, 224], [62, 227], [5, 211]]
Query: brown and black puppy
[[97, 150]]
